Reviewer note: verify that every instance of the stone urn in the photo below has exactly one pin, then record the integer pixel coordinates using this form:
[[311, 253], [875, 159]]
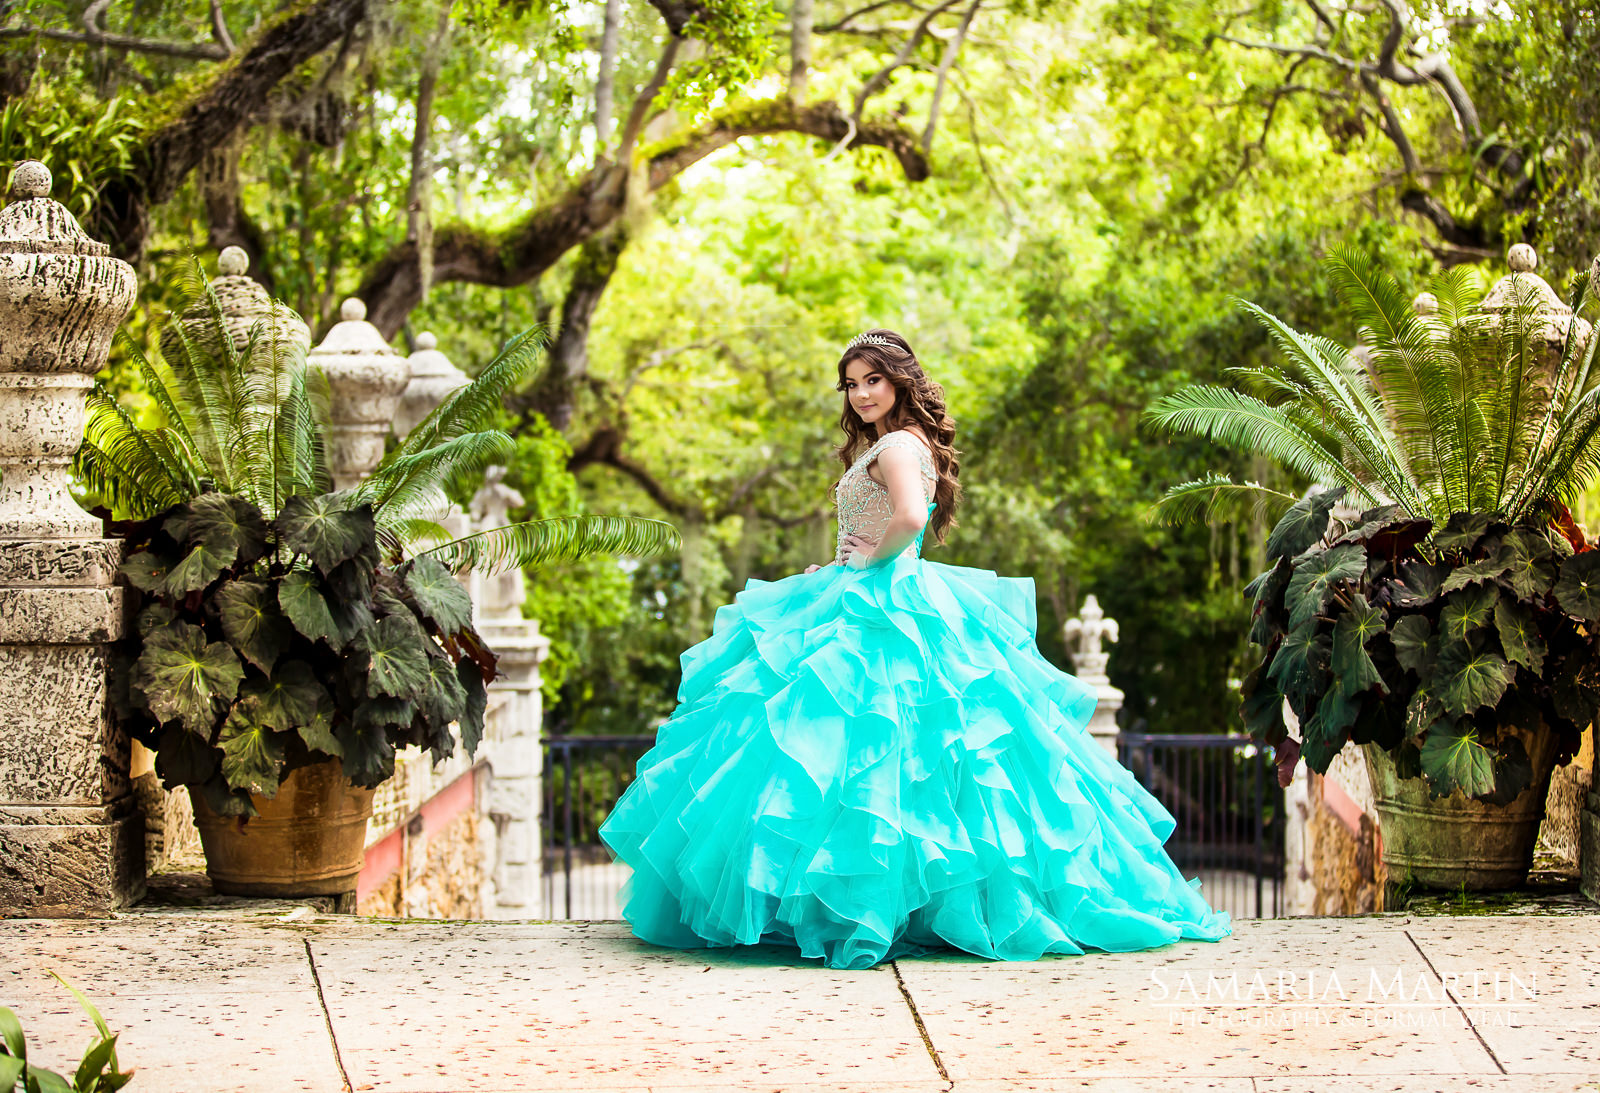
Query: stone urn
[[433, 379], [61, 299], [366, 377], [1456, 841], [307, 840], [245, 309]]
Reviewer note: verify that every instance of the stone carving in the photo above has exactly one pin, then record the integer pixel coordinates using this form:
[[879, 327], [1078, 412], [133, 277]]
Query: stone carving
[[1087, 632], [501, 595], [365, 376], [433, 378], [245, 305], [70, 839], [1517, 285]]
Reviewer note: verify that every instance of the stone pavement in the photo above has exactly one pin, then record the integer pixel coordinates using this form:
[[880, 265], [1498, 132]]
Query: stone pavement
[[274, 998]]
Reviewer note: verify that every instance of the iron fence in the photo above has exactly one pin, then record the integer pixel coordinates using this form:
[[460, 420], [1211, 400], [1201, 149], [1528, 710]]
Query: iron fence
[[1221, 790]]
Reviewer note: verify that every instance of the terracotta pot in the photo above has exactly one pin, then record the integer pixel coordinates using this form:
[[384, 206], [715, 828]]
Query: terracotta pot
[[1455, 841], [309, 840]]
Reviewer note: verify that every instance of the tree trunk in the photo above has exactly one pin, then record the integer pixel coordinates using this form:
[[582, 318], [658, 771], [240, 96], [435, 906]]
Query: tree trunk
[[800, 21]]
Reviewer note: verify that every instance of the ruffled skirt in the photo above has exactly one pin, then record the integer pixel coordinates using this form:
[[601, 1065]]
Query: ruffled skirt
[[869, 764]]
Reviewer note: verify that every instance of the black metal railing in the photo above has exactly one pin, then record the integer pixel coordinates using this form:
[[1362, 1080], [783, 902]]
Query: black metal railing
[[1223, 792], [583, 777]]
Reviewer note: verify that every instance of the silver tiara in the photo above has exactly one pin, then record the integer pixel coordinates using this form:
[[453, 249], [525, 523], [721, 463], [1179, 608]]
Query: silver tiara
[[867, 339]]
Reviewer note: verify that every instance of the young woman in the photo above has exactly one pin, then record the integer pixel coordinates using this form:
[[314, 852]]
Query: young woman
[[871, 759]]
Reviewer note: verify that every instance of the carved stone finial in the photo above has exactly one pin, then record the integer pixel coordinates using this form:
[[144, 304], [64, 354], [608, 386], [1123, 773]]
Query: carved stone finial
[[1425, 303], [233, 262], [1522, 258], [433, 378], [365, 376], [1088, 630], [31, 179]]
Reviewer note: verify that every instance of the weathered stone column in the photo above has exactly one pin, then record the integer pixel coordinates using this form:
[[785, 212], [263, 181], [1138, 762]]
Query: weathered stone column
[[1087, 631], [71, 841], [515, 753], [366, 376], [433, 379]]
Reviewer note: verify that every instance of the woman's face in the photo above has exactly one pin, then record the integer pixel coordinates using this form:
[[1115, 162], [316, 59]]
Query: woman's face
[[870, 393]]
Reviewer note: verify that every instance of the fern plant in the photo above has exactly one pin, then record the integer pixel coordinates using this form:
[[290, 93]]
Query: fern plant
[[1450, 625], [250, 420], [1462, 410]]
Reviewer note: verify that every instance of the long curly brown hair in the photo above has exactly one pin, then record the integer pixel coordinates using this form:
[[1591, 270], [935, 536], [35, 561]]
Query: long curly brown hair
[[917, 401]]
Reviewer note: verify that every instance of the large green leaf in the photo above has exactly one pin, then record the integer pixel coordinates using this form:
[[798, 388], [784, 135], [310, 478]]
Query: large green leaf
[[1513, 771], [252, 753], [1269, 588], [1520, 639], [248, 608], [1453, 757], [1469, 677], [1463, 531], [1420, 583], [1578, 590], [300, 597], [1352, 667], [148, 570], [1298, 667], [184, 758], [318, 734], [1490, 568], [222, 798], [1467, 612], [385, 711], [1575, 686], [1414, 645], [199, 567], [1262, 706], [1421, 711], [444, 700], [1387, 532], [289, 698], [328, 529], [1533, 563], [1315, 577], [230, 525], [439, 595], [471, 722], [184, 676], [1299, 529], [397, 662], [368, 755]]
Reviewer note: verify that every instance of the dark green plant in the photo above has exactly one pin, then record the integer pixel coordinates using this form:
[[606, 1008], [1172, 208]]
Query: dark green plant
[[1435, 644], [262, 646], [98, 1070], [250, 420]]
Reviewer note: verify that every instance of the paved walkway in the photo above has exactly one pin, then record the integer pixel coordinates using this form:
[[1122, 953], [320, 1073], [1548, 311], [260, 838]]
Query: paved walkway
[[278, 998]]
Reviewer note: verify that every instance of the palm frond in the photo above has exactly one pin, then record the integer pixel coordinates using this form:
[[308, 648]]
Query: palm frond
[[558, 539], [1217, 498], [1247, 424], [400, 479], [469, 409]]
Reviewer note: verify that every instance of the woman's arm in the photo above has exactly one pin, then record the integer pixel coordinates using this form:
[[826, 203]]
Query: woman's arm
[[902, 474]]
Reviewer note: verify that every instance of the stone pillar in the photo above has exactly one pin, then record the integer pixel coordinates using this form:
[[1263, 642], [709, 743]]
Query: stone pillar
[[1087, 631], [433, 379], [247, 310], [366, 377], [71, 840], [516, 753]]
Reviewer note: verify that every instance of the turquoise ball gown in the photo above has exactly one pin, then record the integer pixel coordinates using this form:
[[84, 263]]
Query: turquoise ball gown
[[867, 764]]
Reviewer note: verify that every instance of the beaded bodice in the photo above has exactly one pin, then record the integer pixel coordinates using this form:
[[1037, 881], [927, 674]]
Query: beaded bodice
[[863, 501]]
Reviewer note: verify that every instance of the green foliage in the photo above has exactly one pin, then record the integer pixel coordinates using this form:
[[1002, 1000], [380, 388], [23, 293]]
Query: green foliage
[[1463, 411], [1420, 663], [97, 1072], [304, 644]]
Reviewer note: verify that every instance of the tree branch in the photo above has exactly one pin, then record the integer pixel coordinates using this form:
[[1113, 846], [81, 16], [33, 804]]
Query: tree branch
[[517, 256], [219, 28], [230, 99], [189, 51], [640, 110], [951, 50], [880, 79]]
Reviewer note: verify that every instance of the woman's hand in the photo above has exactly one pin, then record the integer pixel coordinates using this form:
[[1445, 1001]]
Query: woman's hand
[[854, 545], [810, 569]]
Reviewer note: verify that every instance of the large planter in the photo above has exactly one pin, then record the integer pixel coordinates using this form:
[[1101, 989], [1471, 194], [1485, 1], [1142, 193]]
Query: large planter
[[1456, 841], [308, 840]]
